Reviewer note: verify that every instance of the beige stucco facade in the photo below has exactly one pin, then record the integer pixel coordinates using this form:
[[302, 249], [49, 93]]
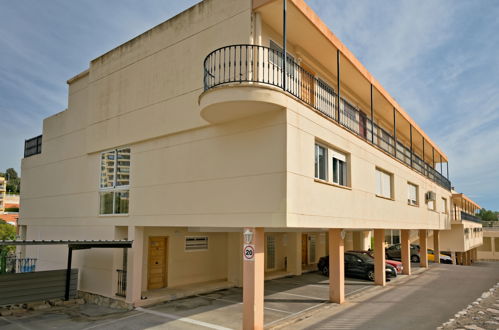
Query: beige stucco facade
[[490, 248], [3, 189], [208, 163]]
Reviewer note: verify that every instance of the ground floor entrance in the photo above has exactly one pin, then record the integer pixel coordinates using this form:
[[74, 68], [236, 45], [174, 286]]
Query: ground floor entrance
[[157, 265]]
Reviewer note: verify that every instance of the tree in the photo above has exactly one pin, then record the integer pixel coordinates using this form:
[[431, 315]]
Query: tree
[[7, 232], [487, 215], [13, 181]]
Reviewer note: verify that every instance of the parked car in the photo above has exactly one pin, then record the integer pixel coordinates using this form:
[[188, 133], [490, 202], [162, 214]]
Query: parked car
[[394, 252], [444, 259], [395, 264], [356, 265]]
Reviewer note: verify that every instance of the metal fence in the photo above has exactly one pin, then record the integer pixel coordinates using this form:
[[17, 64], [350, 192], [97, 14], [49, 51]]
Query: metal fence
[[17, 265], [255, 64], [121, 288], [33, 146], [469, 217]]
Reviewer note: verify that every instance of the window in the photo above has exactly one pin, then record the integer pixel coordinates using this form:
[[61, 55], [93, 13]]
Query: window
[[383, 184], [196, 243], [339, 161], [270, 252], [320, 162], [444, 205], [431, 205], [275, 57], [412, 194], [115, 181]]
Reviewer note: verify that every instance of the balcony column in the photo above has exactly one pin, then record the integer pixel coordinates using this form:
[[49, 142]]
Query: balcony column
[[379, 257], [338, 83], [372, 116], [410, 137], [423, 244], [394, 133], [134, 265], [405, 244], [253, 276], [436, 245], [336, 266]]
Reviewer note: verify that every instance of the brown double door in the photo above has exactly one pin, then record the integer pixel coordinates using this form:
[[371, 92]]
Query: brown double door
[[304, 249], [157, 268]]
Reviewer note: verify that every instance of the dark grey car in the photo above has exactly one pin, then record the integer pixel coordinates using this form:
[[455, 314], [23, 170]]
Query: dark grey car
[[394, 252]]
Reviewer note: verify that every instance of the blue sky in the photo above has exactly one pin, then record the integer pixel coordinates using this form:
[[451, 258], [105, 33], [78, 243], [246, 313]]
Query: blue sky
[[438, 59]]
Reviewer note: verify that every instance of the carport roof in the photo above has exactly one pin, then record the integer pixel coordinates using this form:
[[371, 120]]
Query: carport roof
[[73, 244]]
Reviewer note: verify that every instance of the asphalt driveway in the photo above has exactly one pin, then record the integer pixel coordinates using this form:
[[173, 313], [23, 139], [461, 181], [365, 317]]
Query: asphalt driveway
[[285, 299]]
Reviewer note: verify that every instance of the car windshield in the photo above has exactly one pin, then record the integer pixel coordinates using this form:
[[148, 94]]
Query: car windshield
[[364, 257]]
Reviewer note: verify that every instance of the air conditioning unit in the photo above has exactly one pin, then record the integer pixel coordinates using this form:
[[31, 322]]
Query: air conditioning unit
[[411, 202], [431, 196]]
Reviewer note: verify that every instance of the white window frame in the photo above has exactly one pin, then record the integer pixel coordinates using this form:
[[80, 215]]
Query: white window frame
[[443, 202], [316, 161], [115, 188], [196, 238], [409, 200], [380, 193], [342, 160]]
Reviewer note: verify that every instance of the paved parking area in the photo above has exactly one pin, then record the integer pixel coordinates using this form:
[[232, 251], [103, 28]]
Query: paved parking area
[[284, 298]]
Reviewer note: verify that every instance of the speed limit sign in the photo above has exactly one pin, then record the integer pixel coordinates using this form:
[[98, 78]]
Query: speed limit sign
[[249, 252]]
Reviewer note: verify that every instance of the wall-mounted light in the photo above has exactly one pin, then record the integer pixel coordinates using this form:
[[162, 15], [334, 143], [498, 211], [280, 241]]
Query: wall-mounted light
[[248, 236]]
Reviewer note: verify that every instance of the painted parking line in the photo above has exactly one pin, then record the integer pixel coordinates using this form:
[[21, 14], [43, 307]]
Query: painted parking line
[[297, 295], [112, 321], [240, 303], [294, 314], [182, 319]]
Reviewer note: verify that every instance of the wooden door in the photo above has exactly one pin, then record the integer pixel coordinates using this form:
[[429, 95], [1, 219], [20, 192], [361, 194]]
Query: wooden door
[[157, 262], [308, 85], [304, 249]]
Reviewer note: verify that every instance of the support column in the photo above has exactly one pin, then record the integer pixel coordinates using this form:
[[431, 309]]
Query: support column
[[134, 266], [454, 258], [336, 266], [436, 245], [405, 244], [294, 253], [253, 276], [423, 244], [379, 257]]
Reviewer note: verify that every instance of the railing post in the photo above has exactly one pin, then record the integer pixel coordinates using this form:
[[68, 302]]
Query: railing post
[[338, 81], [284, 55]]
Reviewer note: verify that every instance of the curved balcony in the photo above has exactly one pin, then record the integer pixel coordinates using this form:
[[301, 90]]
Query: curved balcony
[[259, 82]]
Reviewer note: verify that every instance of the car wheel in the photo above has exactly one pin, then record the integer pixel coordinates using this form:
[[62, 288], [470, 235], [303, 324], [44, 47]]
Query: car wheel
[[414, 258], [325, 271], [370, 275]]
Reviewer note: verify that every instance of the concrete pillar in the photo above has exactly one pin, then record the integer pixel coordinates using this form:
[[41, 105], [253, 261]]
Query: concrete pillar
[[405, 243], [294, 253], [253, 277], [436, 245], [336, 266], [423, 244], [349, 241], [234, 262], [379, 257], [453, 257], [134, 264]]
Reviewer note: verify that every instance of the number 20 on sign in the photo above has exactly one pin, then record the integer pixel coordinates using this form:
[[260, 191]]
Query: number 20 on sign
[[249, 252]]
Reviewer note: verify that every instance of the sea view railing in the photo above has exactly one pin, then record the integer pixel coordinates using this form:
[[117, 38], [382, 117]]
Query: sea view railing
[[253, 64]]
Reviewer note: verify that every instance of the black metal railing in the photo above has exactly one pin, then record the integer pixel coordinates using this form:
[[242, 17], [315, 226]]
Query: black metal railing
[[469, 217], [255, 64], [17, 265], [33, 146], [121, 289]]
